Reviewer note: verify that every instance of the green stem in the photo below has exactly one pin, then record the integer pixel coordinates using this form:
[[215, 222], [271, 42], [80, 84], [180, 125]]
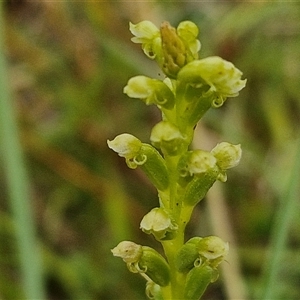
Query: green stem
[[181, 216], [170, 248], [171, 162], [18, 188]]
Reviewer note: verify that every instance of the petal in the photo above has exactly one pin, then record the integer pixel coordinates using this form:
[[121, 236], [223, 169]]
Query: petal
[[144, 30]]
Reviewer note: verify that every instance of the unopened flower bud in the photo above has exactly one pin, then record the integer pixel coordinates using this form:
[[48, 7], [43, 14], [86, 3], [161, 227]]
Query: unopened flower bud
[[227, 155], [200, 161], [173, 50], [159, 223], [168, 138], [188, 32]]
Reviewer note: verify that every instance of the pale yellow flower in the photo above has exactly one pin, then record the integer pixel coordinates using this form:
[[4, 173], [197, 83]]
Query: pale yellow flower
[[158, 222], [147, 34], [222, 76], [126, 145]]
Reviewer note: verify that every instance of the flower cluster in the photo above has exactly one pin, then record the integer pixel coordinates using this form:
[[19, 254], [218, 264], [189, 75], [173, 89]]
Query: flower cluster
[[181, 176], [171, 48]]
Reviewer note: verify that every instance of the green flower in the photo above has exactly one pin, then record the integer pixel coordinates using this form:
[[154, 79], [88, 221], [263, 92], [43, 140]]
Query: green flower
[[168, 138], [147, 34], [159, 223], [145, 261], [223, 78], [151, 91], [212, 250], [138, 154], [128, 251], [126, 145], [171, 47]]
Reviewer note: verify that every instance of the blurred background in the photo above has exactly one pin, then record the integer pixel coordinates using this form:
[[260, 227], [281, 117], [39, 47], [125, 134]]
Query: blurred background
[[67, 64]]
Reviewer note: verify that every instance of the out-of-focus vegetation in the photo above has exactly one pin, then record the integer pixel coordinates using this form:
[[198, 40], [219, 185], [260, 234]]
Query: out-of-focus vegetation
[[67, 65]]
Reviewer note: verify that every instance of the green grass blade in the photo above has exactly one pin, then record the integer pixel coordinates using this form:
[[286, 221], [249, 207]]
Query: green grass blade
[[18, 186], [281, 229]]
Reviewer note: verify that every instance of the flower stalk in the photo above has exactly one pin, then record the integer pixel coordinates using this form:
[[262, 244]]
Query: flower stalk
[[181, 176]]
